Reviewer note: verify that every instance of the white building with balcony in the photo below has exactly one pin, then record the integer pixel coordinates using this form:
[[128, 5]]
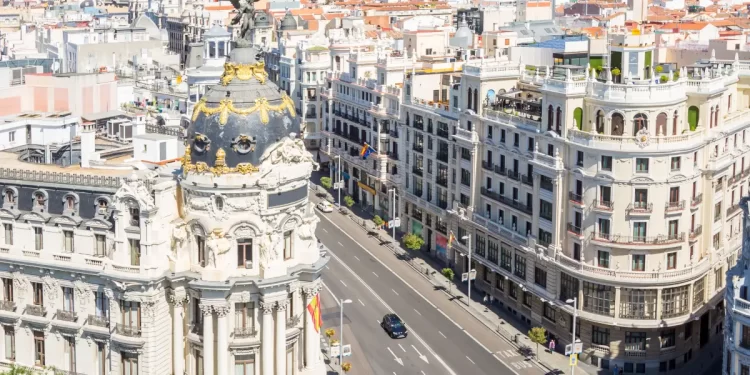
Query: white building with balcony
[[737, 338], [619, 190]]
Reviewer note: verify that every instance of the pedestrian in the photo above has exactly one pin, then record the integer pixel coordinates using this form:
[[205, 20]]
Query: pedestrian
[[552, 346], [616, 370], [622, 371]]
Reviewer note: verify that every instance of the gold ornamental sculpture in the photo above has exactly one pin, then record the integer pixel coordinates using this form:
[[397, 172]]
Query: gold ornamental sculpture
[[261, 105], [244, 72], [220, 166]]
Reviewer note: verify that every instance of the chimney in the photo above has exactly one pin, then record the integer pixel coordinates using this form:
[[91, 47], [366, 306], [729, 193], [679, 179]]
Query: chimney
[[88, 143]]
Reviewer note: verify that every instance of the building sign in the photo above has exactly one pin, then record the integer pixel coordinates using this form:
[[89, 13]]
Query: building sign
[[366, 188]]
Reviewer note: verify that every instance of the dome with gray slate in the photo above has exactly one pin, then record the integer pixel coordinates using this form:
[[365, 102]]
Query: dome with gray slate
[[288, 22], [238, 119]]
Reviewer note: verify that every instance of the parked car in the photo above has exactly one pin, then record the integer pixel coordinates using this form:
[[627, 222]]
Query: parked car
[[394, 326], [325, 206]]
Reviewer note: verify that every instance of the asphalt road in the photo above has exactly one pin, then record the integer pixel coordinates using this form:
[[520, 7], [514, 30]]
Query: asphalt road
[[457, 345]]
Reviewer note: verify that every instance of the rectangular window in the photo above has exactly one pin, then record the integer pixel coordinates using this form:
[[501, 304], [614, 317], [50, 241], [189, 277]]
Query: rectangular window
[[635, 341], [745, 337], [520, 266], [579, 158], [38, 238], [598, 299], [245, 252], [540, 277], [102, 304], [8, 290], [699, 293], [527, 299], [129, 363], [639, 262], [10, 343], [287, 245], [599, 335], [512, 291], [568, 287], [672, 261], [200, 245], [607, 163], [101, 359], [39, 348], [549, 312], [545, 210], [641, 165], [68, 298], [131, 316], [37, 290], [639, 231], [675, 164], [506, 257], [244, 364], [602, 258], [68, 240], [8, 233], [101, 245], [674, 301], [70, 353], [244, 319], [638, 303]]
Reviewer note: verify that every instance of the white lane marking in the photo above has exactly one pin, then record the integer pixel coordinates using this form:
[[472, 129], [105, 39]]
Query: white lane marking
[[399, 360], [402, 348], [331, 293], [394, 291], [376, 275], [420, 314], [355, 257], [441, 334], [340, 244], [360, 301], [327, 268], [473, 338], [422, 372], [324, 230], [414, 333], [342, 281], [415, 291], [467, 357], [421, 356]]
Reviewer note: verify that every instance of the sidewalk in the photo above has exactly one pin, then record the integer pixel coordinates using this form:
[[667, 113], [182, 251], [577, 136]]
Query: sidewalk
[[504, 325]]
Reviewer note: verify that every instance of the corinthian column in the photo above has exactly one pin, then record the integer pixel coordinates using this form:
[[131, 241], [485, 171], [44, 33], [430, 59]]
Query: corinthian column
[[266, 343], [222, 367], [281, 337], [312, 338], [208, 339], [178, 336]]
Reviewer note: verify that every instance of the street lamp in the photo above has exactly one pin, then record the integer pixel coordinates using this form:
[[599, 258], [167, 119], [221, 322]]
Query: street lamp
[[574, 302], [340, 185], [468, 300], [341, 328]]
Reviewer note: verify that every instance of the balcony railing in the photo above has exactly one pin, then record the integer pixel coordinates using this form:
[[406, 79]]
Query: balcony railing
[[245, 332], [442, 182], [127, 330], [572, 228], [696, 232], [638, 240], [641, 207], [674, 206], [732, 209], [527, 180], [696, 200], [603, 205], [487, 165], [8, 306], [68, 316], [546, 185], [442, 156], [393, 155], [442, 133], [36, 310], [393, 133], [514, 175], [99, 321], [575, 197], [417, 147], [417, 171], [515, 204], [500, 170]]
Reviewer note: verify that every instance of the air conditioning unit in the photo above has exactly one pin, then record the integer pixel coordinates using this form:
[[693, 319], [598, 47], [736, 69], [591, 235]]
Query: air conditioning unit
[[248, 264]]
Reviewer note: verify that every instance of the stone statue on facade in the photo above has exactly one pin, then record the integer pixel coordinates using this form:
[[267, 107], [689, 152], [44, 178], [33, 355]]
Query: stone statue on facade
[[217, 244], [244, 17], [288, 151], [269, 248]]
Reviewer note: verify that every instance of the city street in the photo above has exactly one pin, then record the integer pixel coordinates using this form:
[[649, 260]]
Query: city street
[[436, 344]]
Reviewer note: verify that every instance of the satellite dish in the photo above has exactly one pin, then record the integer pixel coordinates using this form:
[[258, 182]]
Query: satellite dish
[[491, 96]]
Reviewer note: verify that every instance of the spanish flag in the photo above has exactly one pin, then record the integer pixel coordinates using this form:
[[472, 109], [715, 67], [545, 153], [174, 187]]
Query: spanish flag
[[366, 151], [314, 309], [451, 239]]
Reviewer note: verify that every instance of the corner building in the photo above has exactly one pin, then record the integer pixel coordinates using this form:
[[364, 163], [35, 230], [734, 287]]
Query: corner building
[[199, 267], [619, 190]]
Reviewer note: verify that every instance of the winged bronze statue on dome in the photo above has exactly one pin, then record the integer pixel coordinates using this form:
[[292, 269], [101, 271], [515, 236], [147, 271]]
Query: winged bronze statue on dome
[[244, 17]]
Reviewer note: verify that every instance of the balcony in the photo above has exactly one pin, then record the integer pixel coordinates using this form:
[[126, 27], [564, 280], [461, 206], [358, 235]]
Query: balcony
[[393, 134], [36, 310], [393, 155], [487, 165], [638, 240], [127, 330], [527, 180], [508, 202], [514, 175], [417, 171], [311, 115], [443, 133], [98, 321], [572, 228], [500, 170], [442, 182], [245, 332], [696, 201], [418, 125], [696, 232], [8, 306], [640, 208], [546, 184], [418, 147], [575, 198], [442, 156], [733, 209], [603, 205], [674, 206], [66, 316]]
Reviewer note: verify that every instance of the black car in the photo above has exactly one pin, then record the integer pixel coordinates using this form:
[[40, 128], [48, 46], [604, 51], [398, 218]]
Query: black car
[[394, 326]]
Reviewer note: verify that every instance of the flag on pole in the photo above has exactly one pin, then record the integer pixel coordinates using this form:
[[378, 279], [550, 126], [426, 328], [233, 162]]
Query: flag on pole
[[451, 239], [366, 151], [314, 309]]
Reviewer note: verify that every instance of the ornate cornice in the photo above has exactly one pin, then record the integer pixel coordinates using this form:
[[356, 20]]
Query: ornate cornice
[[267, 307]]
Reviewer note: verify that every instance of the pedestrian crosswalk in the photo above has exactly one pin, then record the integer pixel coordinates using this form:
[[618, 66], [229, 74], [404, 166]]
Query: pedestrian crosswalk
[[514, 359]]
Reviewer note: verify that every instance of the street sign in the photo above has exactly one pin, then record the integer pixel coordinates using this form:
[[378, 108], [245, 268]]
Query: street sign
[[335, 350], [465, 276], [338, 185], [346, 350], [397, 221], [390, 224], [571, 349], [574, 360]]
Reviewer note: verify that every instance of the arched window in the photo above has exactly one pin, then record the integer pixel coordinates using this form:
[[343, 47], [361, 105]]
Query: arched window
[[716, 116], [661, 124], [711, 119], [578, 116], [640, 121], [599, 122], [558, 120], [618, 124], [550, 117], [470, 99], [211, 49], [39, 199], [10, 197], [70, 202], [693, 116], [476, 100]]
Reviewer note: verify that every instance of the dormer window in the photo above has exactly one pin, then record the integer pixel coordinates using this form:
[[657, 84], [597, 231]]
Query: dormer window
[[70, 203], [10, 197], [39, 200], [102, 204], [135, 217]]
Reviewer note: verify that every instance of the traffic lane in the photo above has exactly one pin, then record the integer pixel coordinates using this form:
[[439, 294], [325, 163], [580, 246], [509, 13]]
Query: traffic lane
[[366, 314], [331, 319], [451, 341]]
